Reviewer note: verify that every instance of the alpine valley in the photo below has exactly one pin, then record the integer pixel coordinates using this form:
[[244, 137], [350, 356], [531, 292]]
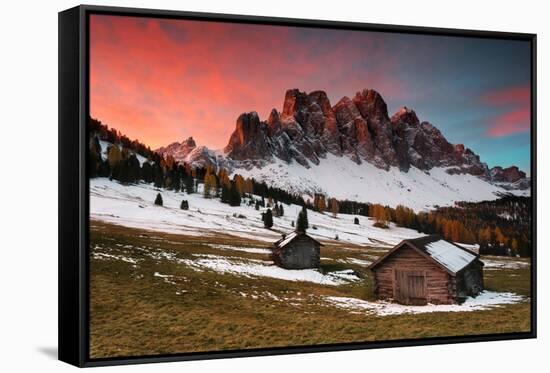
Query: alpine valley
[[354, 150]]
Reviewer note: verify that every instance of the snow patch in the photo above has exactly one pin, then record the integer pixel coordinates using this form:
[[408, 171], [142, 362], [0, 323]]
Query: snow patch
[[252, 250], [258, 268], [360, 262], [114, 257], [484, 301], [504, 264]]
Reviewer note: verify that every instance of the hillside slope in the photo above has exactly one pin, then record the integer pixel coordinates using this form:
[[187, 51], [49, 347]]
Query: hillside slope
[[132, 206]]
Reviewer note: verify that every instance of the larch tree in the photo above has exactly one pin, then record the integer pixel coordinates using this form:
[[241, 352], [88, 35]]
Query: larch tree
[[239, 184], [114, 155], [514, 245], [380, 215], [334, 207], [500, 238], [210, 187], [321, 204]]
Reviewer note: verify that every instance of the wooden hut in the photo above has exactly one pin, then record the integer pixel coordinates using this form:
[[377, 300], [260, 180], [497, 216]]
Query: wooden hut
[[296, 251], [425, 270]]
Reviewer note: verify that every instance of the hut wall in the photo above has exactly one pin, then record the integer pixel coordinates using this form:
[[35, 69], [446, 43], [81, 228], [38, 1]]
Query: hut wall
[[470, 280], [440, 287], [300, 254]]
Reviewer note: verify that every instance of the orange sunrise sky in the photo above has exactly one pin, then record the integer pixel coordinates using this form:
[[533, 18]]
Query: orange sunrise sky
[[163, 80]]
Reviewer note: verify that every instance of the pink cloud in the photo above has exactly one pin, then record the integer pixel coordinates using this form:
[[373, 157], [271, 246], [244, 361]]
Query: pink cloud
[[163, 80], [515, 111], [510, 123], [507, 96]]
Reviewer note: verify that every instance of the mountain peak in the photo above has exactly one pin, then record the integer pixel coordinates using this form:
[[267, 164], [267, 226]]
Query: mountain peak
[[189, 142], [371, 104], [510, 174], [295, 101], [309, 129], [405, 115], [249, 140]]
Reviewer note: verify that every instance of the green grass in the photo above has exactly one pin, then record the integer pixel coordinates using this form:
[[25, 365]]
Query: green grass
[[134, 312]]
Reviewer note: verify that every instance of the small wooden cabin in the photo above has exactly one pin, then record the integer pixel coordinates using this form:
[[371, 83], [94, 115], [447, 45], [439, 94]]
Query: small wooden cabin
[[296, 251], [428, 269]]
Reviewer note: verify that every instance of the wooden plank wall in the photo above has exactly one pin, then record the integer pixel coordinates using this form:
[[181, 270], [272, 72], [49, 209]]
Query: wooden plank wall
[[440, 286]]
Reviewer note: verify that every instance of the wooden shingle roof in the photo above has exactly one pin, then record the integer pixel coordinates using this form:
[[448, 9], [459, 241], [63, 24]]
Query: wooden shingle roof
[[451, 257], [285, 240]]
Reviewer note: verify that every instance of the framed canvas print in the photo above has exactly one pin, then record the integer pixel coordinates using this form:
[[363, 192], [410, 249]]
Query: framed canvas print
[[239, 186]]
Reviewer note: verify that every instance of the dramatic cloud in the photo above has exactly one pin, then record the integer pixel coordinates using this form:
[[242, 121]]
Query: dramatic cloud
[[514, 107], [162, 80]]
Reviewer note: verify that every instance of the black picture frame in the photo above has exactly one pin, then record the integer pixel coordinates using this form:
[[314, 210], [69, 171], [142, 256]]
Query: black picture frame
[[74, 186]]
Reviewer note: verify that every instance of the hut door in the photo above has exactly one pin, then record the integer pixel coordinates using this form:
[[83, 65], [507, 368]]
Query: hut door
[[410, 287]]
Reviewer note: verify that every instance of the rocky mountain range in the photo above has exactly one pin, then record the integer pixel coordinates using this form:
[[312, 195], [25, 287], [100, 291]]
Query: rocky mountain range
[[309, 128]]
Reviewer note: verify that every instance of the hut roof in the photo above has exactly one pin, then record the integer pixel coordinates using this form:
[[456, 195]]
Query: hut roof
[[450, 256], [291, 237]]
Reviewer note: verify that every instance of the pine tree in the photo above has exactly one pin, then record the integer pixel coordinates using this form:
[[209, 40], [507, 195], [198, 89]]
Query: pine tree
[[94, 157], [225, 193], [234, 195], [104, 169], [189, 184], [146, 172], [302, 223], [268, 219], [176, 181], [159, 176], [132, 169], [158, 200]]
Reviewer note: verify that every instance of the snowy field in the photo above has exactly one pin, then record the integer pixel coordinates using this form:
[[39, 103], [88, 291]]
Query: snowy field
[[132, 206]]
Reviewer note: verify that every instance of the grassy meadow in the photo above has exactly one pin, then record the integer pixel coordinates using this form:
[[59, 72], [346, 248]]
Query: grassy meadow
[[147, 297]]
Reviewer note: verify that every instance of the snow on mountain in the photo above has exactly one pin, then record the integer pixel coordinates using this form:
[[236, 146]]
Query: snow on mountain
[[132, 206], [354, 150], [104, 148], [188, 152], [341, 178]]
